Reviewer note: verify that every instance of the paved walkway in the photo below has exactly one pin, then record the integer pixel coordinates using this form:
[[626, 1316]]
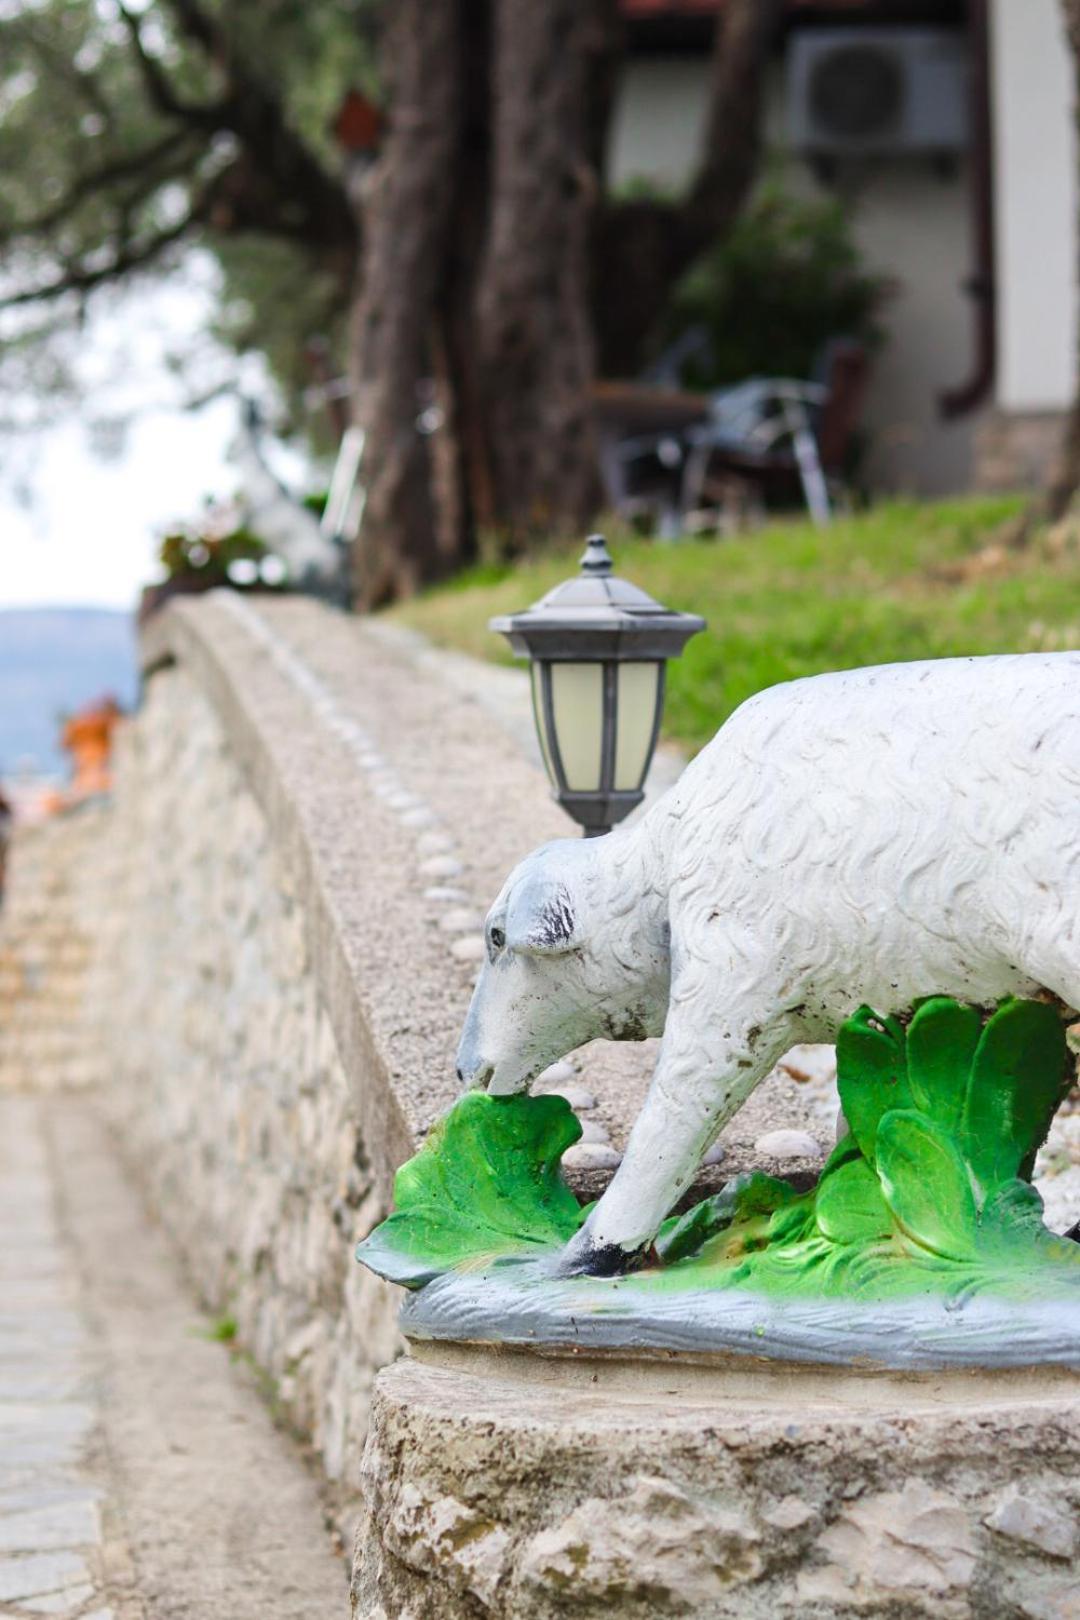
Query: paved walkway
[[141, 1477]]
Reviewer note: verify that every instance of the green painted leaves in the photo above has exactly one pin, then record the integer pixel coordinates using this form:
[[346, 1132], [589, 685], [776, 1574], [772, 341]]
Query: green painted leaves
[[871, 1073], [931, 1190], [486, 1184], [946, 1112], [991, 1087], [748, 1201], [1018, 1077], [947, 1115], [849, 1206], [926, 1185], [941, 1045]]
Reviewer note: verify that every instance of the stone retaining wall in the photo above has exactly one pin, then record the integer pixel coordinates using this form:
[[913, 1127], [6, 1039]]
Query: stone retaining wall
[[507, 1487], [226, 1080], [308, 823], [1017, 450]]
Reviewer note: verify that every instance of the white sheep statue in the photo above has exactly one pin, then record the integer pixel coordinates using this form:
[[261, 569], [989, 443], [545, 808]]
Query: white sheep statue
[[869, 837]]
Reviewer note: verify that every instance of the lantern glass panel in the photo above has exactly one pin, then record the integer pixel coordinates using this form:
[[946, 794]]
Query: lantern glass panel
[[537, 671], [577, 701], [639, 692]]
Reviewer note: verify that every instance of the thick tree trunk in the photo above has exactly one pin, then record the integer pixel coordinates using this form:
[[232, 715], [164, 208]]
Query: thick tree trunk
[[644, 246], [1065, 479], [406, 225], [605, 50], [479, 238], [533, 323], [463, 474]]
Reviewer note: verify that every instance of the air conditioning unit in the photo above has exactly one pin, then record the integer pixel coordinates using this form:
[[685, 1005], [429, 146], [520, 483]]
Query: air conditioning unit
[[887, 91]]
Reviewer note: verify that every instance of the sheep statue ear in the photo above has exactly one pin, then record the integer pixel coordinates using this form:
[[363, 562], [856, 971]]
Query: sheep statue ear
[[540, 919]]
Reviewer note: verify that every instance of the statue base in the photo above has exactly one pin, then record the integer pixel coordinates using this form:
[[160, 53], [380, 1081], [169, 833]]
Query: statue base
[[922, 1244], [523, 1305], [531, 1486]]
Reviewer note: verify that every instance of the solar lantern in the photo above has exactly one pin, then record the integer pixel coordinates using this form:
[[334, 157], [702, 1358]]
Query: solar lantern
[[598, 648]]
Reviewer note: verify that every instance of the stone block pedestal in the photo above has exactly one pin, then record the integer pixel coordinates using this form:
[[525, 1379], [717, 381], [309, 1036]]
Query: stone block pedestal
[[525, 1486]]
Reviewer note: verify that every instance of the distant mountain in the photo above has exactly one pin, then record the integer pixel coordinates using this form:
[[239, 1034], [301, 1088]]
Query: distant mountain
[[54, 660]]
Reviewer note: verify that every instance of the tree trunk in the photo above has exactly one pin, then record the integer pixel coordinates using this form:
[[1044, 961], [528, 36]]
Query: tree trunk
[[463, 474], [480, 266], [1065, 479], [644, 246], [533, 324], [406, 227]]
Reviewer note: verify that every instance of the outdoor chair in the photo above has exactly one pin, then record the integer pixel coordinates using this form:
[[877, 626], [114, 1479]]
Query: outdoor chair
[[784, 438]]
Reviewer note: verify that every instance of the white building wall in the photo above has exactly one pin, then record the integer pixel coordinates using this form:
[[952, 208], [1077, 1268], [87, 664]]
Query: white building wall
[[912, 223], [1036, 205], [657, 122]]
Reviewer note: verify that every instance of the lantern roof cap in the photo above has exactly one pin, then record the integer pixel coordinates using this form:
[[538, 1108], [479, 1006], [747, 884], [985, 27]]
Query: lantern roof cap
[[596, 599], [597, 587]]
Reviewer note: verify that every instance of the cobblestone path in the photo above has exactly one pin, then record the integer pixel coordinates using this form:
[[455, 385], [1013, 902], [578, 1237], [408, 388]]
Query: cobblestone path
[[141, 1477], [52, 1558]]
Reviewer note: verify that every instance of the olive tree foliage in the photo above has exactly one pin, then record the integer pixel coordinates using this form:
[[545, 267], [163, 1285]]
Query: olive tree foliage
[[130, 131]]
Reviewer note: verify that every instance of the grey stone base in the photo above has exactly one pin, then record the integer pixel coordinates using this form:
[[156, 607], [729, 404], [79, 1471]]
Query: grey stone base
[[522, 1305], [522, 1487]]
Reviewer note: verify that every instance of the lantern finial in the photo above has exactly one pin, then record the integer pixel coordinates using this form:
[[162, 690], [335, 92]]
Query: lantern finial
[[596, 558]]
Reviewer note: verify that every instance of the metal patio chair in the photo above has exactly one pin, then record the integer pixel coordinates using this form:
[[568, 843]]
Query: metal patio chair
[[785, 437]]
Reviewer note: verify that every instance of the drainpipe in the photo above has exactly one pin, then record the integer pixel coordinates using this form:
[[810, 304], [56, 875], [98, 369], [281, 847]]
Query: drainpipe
[[980, 285]]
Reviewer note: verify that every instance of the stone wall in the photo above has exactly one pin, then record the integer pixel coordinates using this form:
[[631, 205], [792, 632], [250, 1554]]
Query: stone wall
[[510, 1487], [227, 1084], [308, 823]]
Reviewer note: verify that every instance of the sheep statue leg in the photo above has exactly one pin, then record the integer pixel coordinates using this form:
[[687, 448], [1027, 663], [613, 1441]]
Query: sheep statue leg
[[703, 1074]]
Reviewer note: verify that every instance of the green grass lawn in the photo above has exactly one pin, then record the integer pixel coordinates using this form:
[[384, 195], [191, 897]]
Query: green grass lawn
[[899, 582]]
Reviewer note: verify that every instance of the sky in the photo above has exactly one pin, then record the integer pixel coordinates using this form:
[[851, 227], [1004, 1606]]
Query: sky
[[91, 535], [77, 527]]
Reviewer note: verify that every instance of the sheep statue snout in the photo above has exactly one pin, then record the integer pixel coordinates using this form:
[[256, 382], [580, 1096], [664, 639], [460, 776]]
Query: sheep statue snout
[[874, 836], [559, 969]]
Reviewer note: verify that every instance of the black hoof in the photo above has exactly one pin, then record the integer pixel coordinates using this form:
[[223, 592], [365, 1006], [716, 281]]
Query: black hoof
[[603, 1260]]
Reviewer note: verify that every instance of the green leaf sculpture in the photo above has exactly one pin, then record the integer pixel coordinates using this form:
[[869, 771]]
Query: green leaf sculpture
[[926, 1185], [871, 1073], [941, 1042], [946, 1109], [849, 1204], [485, 1185], [930, 1191], [1018, 1077], [744, 1199]]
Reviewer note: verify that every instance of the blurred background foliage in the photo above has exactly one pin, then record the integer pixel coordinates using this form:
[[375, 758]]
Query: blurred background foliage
[[786, 279]]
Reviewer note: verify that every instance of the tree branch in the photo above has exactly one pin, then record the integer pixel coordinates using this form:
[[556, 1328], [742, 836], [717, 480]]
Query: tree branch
[[643, 246], [83, 278], [141, 165], [274, 184], [308, 203], [202, 29], [731, 149], [159, 88], [84, 83]]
